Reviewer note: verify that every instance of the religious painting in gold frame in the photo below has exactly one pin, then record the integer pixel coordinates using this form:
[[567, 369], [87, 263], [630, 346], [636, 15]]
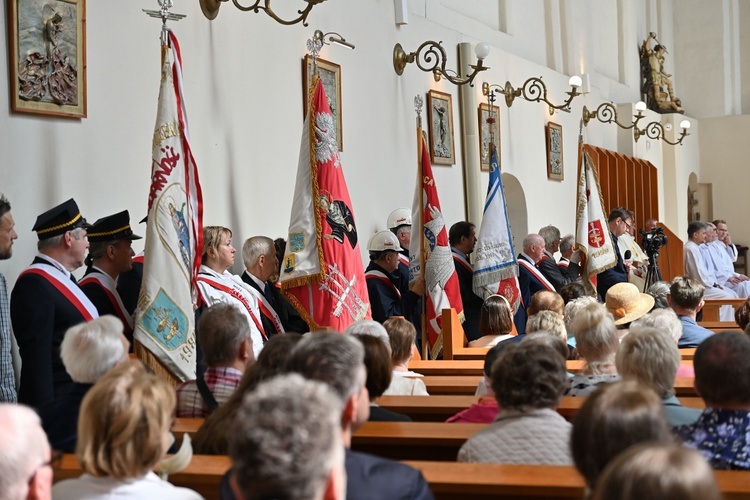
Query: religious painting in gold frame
[[484, 134], [47, 42], [330, 75], [555, 166], [440, 116]]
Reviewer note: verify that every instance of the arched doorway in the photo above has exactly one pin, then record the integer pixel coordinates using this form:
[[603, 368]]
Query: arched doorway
[[515, 199]]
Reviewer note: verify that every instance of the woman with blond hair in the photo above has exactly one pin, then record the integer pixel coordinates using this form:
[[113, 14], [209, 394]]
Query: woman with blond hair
[[597, 343], [216, 284], [123, 433]]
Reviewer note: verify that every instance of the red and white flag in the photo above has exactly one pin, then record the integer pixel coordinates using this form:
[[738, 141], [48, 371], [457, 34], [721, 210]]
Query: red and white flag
[[165, 319], [592, 230], [322, 273], [429, 247]]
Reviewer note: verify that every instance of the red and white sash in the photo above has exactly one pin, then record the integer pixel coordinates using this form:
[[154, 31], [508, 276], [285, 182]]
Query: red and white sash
[[236, 295], [110, 288], [537, 274], [457, 257], [266, 309], [66, 287], [379, 275], [403, 259], [563, 262]]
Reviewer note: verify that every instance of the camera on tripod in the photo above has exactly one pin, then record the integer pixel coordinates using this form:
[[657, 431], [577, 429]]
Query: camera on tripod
[[654, 240]]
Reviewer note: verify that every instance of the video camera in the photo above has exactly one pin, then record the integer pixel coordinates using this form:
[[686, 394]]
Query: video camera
[[654, 240]]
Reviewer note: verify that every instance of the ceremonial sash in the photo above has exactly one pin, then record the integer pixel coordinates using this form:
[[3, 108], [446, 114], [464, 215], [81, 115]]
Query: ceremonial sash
[[267, 309], [67, 288], [108, 285], [379, 275], [537, 274], [139, 258], [403, 259], [463, 261], [563, 263], [237, 295]]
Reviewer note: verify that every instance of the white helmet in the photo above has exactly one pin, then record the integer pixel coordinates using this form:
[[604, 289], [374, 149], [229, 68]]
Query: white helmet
[[383, 240], [399, 217]]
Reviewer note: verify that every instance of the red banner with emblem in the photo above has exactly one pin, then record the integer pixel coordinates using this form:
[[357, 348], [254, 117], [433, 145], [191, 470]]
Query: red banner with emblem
[[435, 264], [322, 273]]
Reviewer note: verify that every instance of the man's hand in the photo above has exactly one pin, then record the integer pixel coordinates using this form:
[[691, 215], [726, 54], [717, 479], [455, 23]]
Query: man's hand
[[734, 280], [418, 287], [727, 239]]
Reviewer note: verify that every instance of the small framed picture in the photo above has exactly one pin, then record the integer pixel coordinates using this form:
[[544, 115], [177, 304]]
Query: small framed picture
[[555, 166], [330, 76], [440, 115], [47, 41], [484, 133]]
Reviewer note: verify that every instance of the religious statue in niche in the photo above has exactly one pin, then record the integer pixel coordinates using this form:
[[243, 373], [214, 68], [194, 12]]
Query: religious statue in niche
[[54, 69], [657, 85]]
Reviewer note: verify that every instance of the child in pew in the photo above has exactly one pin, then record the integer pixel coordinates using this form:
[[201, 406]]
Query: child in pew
[[528, 380], [658, 472], [401, 335]]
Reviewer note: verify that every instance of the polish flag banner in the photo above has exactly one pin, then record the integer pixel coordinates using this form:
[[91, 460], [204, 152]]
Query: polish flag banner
[[592, 230], [165, 319], [322, 274], [495, 266], [432, 258]]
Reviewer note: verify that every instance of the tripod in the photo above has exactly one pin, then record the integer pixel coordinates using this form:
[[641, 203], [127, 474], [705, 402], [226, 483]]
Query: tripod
[[654, 273]]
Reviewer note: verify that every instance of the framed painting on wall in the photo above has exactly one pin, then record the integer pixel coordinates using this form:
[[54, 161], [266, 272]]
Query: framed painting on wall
[[555, 167], [330, 75], [440, 116], [484, 134], [47, 41]]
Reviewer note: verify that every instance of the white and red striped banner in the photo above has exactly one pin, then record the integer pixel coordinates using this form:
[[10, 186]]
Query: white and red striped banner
[[165, 321]]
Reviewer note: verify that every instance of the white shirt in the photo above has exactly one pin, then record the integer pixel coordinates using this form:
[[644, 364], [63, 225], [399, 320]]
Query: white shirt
[[716, 255], [213, 296], [695, 265], [88, 487]]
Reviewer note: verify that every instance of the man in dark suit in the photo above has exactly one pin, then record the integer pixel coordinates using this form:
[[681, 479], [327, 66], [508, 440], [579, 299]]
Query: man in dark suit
[[110, 254], [462, 238], [261, 263], [338, 360], [46, 301], [558, 276], [620, 220], [530, 278]]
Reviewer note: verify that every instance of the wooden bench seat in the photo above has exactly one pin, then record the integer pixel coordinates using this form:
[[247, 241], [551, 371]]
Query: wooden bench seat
[[711, 308], [447, 480], [456, 385], [476, 367]]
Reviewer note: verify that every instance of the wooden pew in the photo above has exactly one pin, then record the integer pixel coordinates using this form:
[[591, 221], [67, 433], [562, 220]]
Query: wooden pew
[[712, 306], [456, 385], [454, 339], [413, 440], [439, 408], [469, 481], [720, 326], [447, 480], [202, 475], [476, 367]]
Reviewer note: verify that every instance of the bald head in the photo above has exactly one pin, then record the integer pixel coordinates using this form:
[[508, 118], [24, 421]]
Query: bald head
[[533, 246], [24, 451]]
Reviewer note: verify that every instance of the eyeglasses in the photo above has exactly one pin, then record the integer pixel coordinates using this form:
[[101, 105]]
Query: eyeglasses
[[54, 462], [627, 225]]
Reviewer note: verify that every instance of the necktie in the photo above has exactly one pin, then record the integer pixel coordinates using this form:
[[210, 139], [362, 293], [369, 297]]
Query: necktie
[[268, 294]]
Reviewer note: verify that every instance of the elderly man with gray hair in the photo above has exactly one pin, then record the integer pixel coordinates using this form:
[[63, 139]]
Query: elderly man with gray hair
[[558, 276], [338, 360], [25, 457], [288, 446], [88, 351], [225, 335]]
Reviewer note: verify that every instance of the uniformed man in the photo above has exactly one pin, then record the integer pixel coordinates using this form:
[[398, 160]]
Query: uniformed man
[[46, 301], [110, 254]]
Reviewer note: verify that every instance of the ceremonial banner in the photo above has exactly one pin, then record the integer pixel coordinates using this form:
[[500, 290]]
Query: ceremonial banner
[[165, 318], [429, 248], [322, 274], [592, 230], [495, 266]]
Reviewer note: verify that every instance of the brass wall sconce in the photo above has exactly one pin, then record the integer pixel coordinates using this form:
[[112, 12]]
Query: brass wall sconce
[[331, 37], [431, 57], [534, 90], [210, 9], [607, 113], [655, 130]]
